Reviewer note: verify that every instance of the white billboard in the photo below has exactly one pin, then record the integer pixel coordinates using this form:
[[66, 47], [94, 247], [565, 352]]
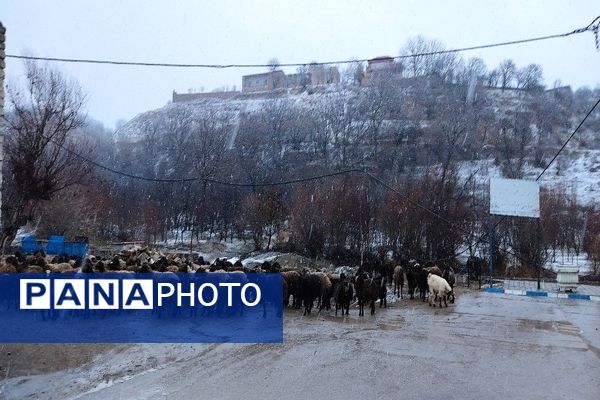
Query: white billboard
[[514, 197]]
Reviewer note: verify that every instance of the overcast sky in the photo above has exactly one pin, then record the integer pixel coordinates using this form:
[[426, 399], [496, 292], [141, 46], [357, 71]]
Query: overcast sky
[[222, 32]]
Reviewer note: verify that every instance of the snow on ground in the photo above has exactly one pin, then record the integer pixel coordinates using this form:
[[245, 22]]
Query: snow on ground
[[570, 260], [210, 251], [178, 241], [580, 174], [562, 258], [134, 129], [262, 257], [23, 231], [108, 369]]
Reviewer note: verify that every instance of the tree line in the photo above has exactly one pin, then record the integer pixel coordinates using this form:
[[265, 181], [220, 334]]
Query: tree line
[[423, 131]]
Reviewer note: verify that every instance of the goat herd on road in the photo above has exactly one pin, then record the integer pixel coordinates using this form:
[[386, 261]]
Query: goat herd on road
[[366, 285]]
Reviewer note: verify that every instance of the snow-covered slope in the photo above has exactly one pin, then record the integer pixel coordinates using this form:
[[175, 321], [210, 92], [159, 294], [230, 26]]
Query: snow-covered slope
[[580, 174], [577, 169], [134, 129]]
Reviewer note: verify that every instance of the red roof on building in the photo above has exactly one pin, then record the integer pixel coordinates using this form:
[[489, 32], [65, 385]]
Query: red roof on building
[[382, 58]]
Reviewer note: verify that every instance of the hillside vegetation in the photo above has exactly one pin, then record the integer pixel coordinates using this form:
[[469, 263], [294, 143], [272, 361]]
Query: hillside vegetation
[[425, 141]]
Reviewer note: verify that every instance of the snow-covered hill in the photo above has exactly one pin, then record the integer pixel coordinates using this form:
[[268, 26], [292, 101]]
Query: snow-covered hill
[[577, 169], [134, 129], [580, 175]]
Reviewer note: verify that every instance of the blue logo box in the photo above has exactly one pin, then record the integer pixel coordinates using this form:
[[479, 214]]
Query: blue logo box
[[141, 308]]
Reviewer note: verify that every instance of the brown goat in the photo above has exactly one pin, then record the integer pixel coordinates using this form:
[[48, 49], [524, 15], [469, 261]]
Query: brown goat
[[292, 280], [324, 299], [398, 280]]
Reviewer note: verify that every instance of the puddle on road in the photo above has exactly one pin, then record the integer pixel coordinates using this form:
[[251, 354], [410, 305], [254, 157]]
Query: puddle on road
[[387, 321], [566, 327], [348, 319], [554, 326], [390, 327], [535, 324]]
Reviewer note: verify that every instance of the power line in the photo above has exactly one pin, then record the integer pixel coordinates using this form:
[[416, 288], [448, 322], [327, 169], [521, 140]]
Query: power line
[[409, 200], [593, 26], [568, 140], [451, 224], [290, 182], [485, 235], [205, 179], [324, 176], [258, 184]]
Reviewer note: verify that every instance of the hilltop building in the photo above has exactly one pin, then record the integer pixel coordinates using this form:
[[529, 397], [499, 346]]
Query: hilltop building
[[381, 65], [309, 75], [264, 82], [317, 75]]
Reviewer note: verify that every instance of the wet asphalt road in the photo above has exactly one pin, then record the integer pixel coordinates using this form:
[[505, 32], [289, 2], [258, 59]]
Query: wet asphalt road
[[484, 346]]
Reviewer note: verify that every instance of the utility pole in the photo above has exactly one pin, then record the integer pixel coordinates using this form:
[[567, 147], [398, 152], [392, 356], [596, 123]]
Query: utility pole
[[2, 125], [538, 245], [491, 249]]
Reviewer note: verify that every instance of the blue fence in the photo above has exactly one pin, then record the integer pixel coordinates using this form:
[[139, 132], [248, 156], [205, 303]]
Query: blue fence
[[56, 245]]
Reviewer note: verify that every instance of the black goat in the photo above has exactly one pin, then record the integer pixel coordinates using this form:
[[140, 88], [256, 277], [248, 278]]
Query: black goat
[[412, 279], [422, 282], [367, 290], [381, 281], [343, 293], [310, 290]]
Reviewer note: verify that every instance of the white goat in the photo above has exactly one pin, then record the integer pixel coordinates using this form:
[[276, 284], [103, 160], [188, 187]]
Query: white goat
[[438, 286]]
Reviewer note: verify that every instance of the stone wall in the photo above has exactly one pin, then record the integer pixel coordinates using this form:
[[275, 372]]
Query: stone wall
[[182, 97], [263, 82]]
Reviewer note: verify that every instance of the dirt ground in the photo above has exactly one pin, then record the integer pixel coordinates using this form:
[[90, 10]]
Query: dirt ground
[[33, 359], [484, 346]]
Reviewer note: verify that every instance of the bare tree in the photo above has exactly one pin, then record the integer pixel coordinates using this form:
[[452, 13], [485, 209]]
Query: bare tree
[[208, 143], [475, 69], [591, 243], [43, 116], [344, 127], [273, 64], [304, 73], [417, 64], [513, 141], [583, 98], [263, 215], [492, 78], [353, 74], [381, 100], [530, 77], [507, 70], [308, 220]]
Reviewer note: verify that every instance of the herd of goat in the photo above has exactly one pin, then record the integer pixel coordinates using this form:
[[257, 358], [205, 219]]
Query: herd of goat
[[366, 285]]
